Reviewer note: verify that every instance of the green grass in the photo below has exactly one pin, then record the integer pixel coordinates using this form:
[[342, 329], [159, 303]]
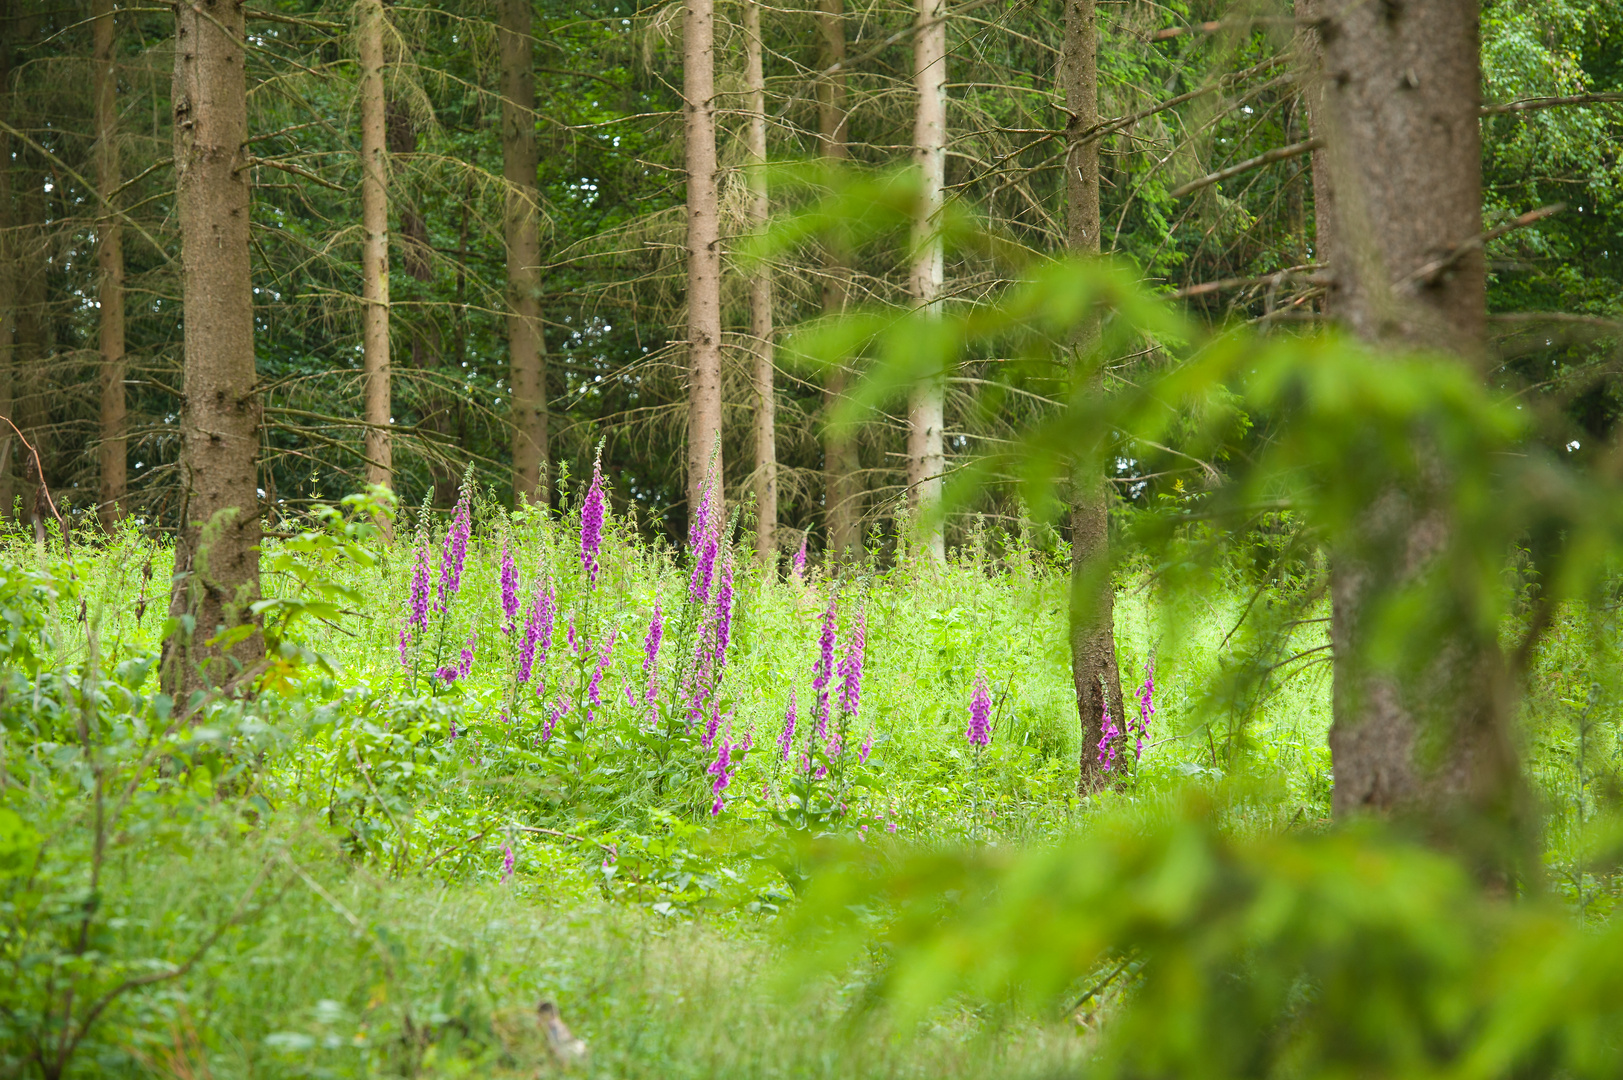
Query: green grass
[[384, 939]]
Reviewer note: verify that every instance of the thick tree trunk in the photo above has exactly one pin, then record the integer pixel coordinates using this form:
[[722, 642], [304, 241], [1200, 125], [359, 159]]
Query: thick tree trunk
[[926, 414], [1092, 604], [526, 346], [1398, 104], [217, 543], [704, 250], [377, 378], [842, 499], [760, 303], [112, 450]]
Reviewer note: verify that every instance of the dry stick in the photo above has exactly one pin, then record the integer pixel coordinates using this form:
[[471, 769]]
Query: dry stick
[[565, 835], [1205, 287], [250, 162], [1527, 104], [1282, 153], [1430, 272], [39, 471]]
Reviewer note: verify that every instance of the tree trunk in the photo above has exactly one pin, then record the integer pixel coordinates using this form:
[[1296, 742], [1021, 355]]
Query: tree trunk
[[112, 451], [843, 496], [704, 250], [760, 303], [379, 409], [217, 543], [1400, 95], [926, 414], [1092, 604], [526, 347]]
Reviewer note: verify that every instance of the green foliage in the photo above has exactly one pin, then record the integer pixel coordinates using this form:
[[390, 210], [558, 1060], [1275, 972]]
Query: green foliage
[[1206, 954]]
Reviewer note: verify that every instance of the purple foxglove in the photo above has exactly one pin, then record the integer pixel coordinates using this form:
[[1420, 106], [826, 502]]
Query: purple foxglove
[[1108, 734], [594, 690], [591, 524], [417, 618], [454, 552], [979, 732], [650, 644], [464, 668], [786, 741], [405, 649], [799, 563], [447, 673], [724, 609], [509, 593], [553, 716], [507, 862], [537, 640], [722, 770], [823, 670], [851, 666], [866, 750], [708, 739], [1146, 707]]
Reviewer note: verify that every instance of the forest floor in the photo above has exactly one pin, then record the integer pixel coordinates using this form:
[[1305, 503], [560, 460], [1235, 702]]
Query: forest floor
[[391, 871]]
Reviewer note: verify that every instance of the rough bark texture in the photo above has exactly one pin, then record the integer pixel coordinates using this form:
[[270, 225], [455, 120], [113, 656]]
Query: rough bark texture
[[216, 546], [926, 414], [112, 452], [526, 347], [704, 249], [376, 374], [842, 499], [1400, 186], [1092, 604], [760, 303]]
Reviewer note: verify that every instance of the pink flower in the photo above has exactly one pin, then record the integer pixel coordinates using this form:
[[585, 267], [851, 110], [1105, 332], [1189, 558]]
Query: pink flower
[[979, 732]]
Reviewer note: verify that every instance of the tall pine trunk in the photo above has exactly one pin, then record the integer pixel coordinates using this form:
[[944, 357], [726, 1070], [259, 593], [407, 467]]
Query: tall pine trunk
[[526, 347], [704, 250], [112, 451], [217, 542], [377, 376], [760, 302], [1092, 605], [1398, 103], [842, 499], [926, 414]]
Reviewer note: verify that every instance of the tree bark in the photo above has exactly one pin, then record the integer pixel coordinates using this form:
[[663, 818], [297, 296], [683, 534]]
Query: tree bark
[[217, 542], [843, 492], [926, 414], [377, 375], [704, 251], [1399, 102], [760, 303], [526, 346], [1092, 603], [112, 452]]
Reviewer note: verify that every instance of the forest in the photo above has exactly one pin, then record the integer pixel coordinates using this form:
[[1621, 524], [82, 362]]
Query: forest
[[844, 538]]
